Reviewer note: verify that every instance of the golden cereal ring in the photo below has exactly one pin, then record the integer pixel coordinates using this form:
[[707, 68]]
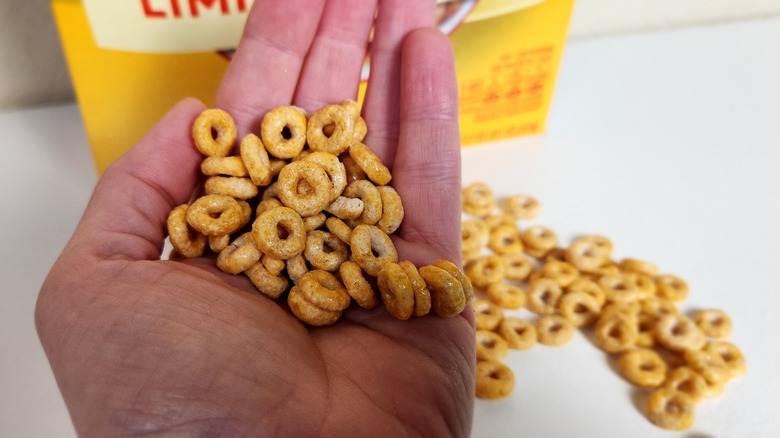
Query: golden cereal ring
[[215, 215], [354, 172], [296, 267], [502, 219], [273, 265], [686, 380], [615, 332], [713, 323], [638, 266], [579, 307], [678, 333], [587, 253], [731, 356], [371, 248], [671, 287], [543, 296], [447, 296], [642, 367], [645, 326], [392, 210], [517, 266], [265, 231], [422, 296], [256, 160], [670, 409], [709, 365], [554, 330], [239, 256], [367, 160], [361, 129], [339, 139], [505, 239], [453, 270], [477, 199], [267, 204], [335, 170], [645, 284], [563, 273], [324, 290], [270, 285], [357, 286], [309, 313], [226, 166], [487, 315], [396, 290], [619, 288], [506, 295], [518, 333], [522, 207], [311, 223], [239, 188], [283, 131], [346, 208], [325, 251], [494, 380], [372, 201], [338, 228], [658, 307], [556, 254], [185, 240], [219, 121], [538, 240], [270, 192], [218, 243], [474, 235], [297, 175], [588, 286], [486, 270], [491, 346]]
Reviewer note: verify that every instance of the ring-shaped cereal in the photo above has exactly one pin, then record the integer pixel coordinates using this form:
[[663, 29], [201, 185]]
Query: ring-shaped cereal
[[298, 174], [396, 290], [307, 312], [588, 286], [491, 346], [494, 380], [658, 307], [267, 204], [671, 287], [686, 380], [468, 289], [273, 265], [372, 201], [238, 188], [731, 356], [478, 194], [218, 243], [505, 239], [367, 160], [642, 367], [184, 239], [297, 267], [506, 295], [554, 330], [586, 254], [283, 131], [644, 283], [485, 270], [265, 231], [226, 166], [522, 207], [312, 223], [269, 284], [615, 332], [579, 307], [670, 409], [447, 296], [339, 228], [645, 327], [678, 333], [639, 266], [325, 251], [496, 220], [487, 314], [543, 296], [219, 121], [256, 160], [324, 290], [714, 323], [354, 172], [563, 273], [619, 288], [392, 210], [422, 296], [239, 256], [215, 215], [372, 248], [357, 286], [518, 333], [474, 235], [517, 266], [339, 139], [538, 239], [710, 365], [335, 170], [346, 208]]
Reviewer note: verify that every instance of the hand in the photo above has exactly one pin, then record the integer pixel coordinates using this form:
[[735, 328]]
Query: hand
[[141, 345]]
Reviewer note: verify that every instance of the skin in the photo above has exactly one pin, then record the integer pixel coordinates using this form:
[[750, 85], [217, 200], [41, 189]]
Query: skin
[[143, 346]]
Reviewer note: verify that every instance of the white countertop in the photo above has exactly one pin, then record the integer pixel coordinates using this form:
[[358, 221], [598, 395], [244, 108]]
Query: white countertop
[[667, 143]]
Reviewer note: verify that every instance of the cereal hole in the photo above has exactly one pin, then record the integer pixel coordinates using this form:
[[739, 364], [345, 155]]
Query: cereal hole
[[286, 133], [328, 129], [678, 330]]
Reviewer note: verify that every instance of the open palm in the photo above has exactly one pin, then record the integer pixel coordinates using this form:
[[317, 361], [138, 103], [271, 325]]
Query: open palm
[[141, 345]]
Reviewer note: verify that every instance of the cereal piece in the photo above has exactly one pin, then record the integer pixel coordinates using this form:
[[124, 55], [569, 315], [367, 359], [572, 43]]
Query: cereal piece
[[338, 228], [517, 266], [215, 215], [256, 160], [487, 314], [618, 288], [219, 121], [370, 163], [477, 200], [561, 272], [642, 367], [270, 192], [554, 330], [311, 223], [396, 290], [296, 267], [678, 333], [354, 172], [372, 201], [494, 380], [267, 204], [392, 210], [686, 380], [709, 365], [579, 307], [730, 354], [588, 286], [645, 330], [587, 253], [265, 231], [225, 166], [671, 287], [270, 285], [522, 207], [308, 312], [283, 131], [468, 290], [239, 256], [658, 307], [184, 239], [273, 265], [518, 333], [299, 174], [335, 170], [324, 290], [645, 284], [491, 346], [474, 235], [372, 248], [615, 332], [713, 323], [346, 208], [496, 220], [238, 188], [638, 266], [505, 239], [447, 296], [506, 295], [325, 251], [422, 296], [670, 409], [543, 295], [218, 243], [538, 240], [342, 135], [486, 270]]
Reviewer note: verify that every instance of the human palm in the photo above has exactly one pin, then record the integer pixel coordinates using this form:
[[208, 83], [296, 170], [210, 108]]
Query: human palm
[[141, 345]]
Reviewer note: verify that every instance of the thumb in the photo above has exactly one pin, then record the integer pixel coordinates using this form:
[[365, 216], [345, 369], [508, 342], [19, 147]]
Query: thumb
[[126, 216]]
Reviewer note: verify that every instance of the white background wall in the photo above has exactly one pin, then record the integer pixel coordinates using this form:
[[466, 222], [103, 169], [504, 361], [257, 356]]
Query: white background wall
[[33, 69]]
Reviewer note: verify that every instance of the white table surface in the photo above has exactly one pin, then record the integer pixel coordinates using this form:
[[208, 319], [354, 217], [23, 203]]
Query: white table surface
[[667, 143]]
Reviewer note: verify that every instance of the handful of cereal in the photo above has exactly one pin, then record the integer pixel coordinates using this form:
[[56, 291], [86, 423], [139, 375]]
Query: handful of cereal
[[306, 209]]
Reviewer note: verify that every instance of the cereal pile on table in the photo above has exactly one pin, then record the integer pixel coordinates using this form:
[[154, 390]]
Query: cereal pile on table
[[629, 305], [306, 210]]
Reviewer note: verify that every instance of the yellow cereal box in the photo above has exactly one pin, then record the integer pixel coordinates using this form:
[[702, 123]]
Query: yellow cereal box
[[131, 60]]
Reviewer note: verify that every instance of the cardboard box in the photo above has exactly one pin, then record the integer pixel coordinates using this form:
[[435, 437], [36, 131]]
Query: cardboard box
[[131, 60]]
